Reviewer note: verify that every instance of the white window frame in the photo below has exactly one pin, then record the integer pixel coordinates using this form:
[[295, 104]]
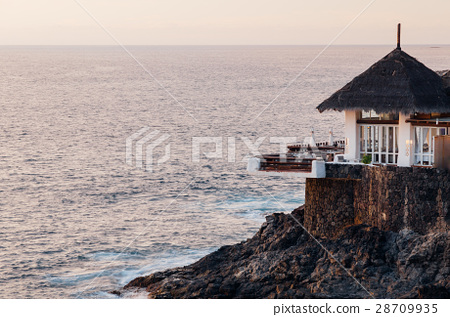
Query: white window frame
[[378, 154], [420, 155]]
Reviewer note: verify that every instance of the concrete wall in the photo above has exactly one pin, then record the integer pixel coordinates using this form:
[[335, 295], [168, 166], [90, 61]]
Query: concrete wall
[[388, 197]]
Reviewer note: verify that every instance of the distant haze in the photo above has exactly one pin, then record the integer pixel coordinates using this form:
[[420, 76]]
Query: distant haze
[[222, 22]]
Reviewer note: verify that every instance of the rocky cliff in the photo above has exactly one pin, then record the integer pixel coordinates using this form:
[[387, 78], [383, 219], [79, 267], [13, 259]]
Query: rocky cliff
[[284, 261]]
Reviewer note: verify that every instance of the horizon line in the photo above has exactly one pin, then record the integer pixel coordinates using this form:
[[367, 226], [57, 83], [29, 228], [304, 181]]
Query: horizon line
[[432, 45]]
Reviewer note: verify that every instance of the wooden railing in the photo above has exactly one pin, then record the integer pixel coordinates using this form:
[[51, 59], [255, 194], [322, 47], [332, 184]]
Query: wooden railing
[[288, 163], [320, 145]]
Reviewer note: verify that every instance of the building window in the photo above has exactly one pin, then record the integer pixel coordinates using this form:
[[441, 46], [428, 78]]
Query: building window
[[424, 144], [372, 115], [380, 142]]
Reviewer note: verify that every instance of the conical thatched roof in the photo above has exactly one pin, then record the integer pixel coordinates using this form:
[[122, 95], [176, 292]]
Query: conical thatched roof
[[445, 74], [396, 83]]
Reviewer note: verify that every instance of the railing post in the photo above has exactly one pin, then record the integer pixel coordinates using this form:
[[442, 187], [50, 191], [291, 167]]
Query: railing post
[[254, 164], [318, 169]]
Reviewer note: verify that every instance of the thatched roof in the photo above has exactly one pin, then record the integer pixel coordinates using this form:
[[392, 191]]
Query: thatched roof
[[445, 74], [397, 83]]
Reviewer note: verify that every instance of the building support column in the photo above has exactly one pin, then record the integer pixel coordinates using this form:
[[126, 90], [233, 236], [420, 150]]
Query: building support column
[[405, 142], [351, 136]]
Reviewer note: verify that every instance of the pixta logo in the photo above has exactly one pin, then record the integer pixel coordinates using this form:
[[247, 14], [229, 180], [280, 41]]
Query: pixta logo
[[141, 146]]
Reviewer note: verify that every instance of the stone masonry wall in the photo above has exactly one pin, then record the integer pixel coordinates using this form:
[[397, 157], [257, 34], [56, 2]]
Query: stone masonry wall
[[396, 198], [388, 197], [322, 193], [353, 171]]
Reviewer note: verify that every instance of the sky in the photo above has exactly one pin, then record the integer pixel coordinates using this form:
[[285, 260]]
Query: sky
[[222, 22]]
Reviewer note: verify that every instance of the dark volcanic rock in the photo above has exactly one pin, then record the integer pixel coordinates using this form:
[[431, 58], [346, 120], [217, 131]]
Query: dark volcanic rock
[[284, 261]]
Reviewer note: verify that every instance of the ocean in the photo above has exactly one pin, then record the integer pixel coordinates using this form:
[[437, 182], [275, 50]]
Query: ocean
[[77, 221]]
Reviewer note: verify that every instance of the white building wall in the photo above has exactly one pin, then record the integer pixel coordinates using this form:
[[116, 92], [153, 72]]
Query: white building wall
[[351, 136], [405, 146]]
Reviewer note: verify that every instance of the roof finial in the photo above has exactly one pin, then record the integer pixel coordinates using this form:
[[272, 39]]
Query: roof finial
[[398, 36]]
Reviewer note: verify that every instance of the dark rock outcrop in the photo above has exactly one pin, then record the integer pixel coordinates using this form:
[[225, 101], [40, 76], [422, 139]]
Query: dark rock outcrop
[[284, 261]]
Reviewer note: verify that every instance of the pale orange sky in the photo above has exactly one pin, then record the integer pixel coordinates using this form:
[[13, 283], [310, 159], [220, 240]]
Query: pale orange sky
[[222, 22]]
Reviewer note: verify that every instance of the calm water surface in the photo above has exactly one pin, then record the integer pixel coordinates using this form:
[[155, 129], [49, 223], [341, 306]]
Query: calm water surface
[[76, 221]]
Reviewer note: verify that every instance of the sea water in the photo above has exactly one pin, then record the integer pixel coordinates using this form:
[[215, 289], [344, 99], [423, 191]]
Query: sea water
[[77, 221]]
